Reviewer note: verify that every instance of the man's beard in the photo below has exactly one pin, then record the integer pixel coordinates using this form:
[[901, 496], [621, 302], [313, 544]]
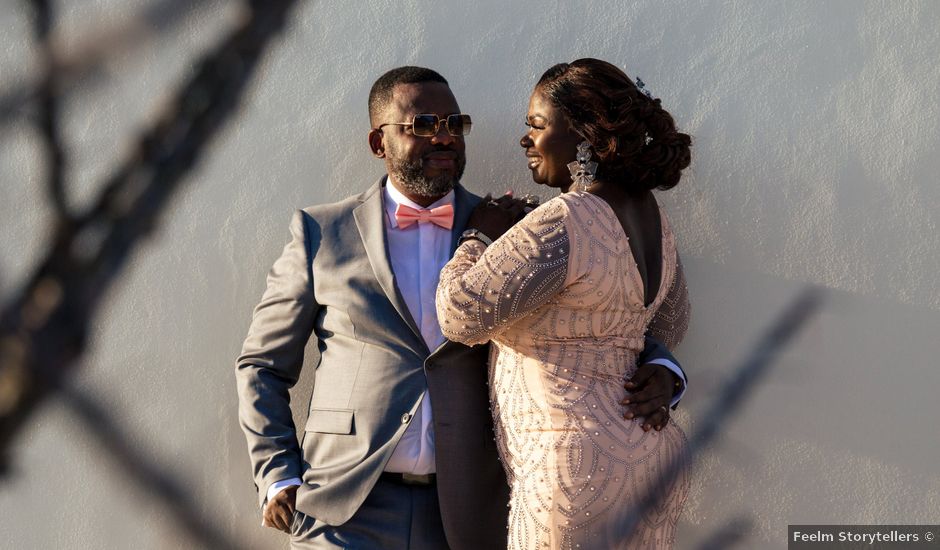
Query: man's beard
[[410, 175]]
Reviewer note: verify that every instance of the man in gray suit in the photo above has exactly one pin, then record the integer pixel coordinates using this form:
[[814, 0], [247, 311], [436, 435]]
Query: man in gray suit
[[398, 449]]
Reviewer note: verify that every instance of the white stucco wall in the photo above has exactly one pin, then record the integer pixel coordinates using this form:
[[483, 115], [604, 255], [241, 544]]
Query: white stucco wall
[[817, 132]]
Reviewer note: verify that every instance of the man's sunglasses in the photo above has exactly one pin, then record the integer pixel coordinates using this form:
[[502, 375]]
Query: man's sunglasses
[[428, 125]]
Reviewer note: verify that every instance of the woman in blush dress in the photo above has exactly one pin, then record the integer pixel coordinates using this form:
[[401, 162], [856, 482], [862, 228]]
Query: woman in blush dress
[[566, 295]]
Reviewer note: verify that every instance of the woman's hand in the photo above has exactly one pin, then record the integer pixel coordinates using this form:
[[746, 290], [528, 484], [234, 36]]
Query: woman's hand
[[493, 217]]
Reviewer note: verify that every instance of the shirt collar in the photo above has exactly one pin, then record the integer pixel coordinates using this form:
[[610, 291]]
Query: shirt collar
[[394, 197]]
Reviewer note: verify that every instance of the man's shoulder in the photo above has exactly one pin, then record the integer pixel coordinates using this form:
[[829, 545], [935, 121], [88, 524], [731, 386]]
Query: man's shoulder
[[341, 208], [330, 210]]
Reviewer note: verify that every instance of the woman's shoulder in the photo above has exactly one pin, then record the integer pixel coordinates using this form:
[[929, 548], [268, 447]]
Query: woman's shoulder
[[553, 209], [565, 203], [570, 209]]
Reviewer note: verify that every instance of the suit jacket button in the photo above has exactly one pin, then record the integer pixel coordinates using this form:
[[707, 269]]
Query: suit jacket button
[[405, 418]]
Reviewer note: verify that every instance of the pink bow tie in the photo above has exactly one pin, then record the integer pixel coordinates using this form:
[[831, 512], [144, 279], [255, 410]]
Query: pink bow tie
[[442, 216]]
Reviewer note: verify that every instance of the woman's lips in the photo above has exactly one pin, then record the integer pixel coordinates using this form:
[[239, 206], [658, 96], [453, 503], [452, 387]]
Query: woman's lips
[[534, 161]]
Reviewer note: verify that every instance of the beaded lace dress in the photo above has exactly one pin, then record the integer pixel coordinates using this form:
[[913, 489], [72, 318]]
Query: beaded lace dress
[[561, 298]]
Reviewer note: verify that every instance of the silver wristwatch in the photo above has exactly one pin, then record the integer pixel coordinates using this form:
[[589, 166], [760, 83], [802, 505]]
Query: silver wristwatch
[[474, 234]]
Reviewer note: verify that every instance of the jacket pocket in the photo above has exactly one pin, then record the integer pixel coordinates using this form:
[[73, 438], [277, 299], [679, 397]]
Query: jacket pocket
[[330, 421]]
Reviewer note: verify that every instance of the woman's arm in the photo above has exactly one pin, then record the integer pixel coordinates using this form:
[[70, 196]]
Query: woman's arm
[[671, 321], [484, 289]]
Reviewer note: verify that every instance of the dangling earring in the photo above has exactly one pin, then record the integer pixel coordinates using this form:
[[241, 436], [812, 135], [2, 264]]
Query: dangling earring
[[583, 169]]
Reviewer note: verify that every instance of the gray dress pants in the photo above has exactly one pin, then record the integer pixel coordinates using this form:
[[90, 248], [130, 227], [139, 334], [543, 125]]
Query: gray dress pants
[[393, 517]]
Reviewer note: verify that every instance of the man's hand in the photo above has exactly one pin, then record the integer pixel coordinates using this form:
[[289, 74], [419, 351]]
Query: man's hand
[[651, 389], [279, 511]]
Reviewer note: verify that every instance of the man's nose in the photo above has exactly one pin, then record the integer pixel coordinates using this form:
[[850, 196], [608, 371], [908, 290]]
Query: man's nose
[[442, 136]]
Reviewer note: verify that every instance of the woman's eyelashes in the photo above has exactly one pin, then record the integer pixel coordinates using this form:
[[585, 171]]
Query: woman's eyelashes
[[535, 124]]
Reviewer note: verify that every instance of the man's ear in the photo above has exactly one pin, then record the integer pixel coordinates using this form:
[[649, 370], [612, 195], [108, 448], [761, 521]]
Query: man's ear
[[377, 143]]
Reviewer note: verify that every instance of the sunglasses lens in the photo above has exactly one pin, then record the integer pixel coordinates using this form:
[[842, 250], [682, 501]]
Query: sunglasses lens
[[428, 125], [424, 125], [459, 125]]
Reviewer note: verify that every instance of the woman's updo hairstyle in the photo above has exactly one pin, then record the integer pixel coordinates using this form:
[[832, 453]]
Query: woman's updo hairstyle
[[606, 108]]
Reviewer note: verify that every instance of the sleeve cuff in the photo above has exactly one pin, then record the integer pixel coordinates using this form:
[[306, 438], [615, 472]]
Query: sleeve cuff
[[678, 372], [279, 486]]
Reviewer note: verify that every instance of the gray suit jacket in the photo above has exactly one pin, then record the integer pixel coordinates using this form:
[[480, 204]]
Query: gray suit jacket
[[334, 282]]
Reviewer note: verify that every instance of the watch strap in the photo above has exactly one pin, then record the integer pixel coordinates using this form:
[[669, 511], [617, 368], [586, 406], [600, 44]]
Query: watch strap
[[474, 234]]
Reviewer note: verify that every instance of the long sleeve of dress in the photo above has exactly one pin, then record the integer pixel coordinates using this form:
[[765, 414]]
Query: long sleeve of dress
[[484, 289], [671, 321]]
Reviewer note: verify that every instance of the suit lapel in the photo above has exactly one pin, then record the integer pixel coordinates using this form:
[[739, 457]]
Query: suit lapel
[[464, 202], [370, 219]]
